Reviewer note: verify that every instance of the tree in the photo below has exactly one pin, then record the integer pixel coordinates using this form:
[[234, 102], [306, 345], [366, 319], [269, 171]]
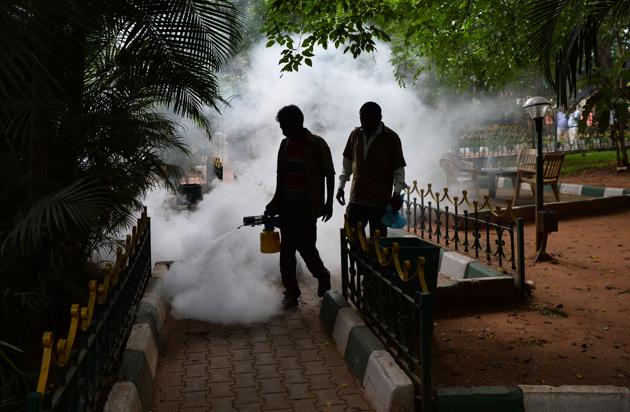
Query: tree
[[574, 41], [571, 37], [611, 99], [471, 45], [83, 88]]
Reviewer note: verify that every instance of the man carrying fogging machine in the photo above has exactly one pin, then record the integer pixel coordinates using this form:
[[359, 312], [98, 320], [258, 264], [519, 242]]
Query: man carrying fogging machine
[[304, 167], [374, 158]]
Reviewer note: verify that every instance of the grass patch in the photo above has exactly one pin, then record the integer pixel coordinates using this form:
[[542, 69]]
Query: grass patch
[[578, 162]]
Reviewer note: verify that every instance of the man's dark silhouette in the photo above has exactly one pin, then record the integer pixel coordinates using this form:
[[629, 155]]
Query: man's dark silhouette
[[374, 158], [304, 164]]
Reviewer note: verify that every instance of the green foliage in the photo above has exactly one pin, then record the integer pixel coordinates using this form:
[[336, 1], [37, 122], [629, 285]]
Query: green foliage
[[83, 90], [571, 37], [348, 24], [467, 44]]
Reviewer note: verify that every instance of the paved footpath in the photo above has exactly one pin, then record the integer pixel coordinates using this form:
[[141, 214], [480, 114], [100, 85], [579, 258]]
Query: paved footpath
[[286, 364]]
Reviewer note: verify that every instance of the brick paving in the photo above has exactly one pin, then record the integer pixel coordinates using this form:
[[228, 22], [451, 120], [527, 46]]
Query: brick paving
[[286, 364]]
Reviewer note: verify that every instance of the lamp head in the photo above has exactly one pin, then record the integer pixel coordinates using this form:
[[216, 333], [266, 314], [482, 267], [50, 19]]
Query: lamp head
[[536, 107]]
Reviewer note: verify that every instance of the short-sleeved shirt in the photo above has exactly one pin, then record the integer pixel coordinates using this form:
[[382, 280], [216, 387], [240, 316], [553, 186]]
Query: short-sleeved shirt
[[373, 174], [574, 119], [561, 120], [302, 170]]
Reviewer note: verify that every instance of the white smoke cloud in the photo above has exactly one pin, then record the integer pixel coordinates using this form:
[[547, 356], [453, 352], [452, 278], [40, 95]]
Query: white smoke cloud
[[229, 280]]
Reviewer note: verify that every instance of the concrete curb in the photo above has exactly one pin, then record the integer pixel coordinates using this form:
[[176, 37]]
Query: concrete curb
[[534, 398], [573, 189], [454, 264], [479, 399], [123, 397], [387, 387], [138, 368], [570, 398], [347, 318]]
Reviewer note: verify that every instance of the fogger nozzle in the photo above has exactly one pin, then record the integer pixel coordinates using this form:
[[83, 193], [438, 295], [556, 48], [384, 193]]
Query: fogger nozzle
[[254, 220], [269, 238]]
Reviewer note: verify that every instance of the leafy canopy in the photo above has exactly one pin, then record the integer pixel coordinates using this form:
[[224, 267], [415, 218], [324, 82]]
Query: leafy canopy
[[465, 43]]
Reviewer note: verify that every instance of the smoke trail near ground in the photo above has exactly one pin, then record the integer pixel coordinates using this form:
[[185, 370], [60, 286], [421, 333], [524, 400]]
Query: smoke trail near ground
[[230, 281]]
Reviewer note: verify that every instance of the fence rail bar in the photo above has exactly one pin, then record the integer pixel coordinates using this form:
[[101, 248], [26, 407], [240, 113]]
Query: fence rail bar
[[84, 372], [476, 228]]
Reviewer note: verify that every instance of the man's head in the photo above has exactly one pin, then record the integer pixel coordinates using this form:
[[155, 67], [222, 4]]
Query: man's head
[[291, 121], [370, 115]]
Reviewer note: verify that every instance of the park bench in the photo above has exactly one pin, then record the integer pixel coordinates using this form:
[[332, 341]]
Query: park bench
[[459, 173], [526, 172]]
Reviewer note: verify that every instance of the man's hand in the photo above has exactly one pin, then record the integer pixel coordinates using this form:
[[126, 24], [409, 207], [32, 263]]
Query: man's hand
[[396, 202], [328, 211], [341, 197]]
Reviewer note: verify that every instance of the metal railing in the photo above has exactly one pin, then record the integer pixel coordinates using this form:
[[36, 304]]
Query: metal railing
[[469, 151], [78, 367], [396, 299], [492, 234]]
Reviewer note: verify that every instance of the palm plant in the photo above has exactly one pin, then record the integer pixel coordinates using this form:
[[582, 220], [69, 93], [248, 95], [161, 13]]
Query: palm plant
[[611, 98], [83, 88], [576, 37], [570, 37]]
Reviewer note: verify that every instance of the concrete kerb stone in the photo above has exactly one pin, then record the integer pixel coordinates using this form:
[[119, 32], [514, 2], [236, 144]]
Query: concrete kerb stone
[[570, 398], [361, 344], [141, 340], [332, 302], [135, 369], [480, 399], [593, 191], [347, 318], [613, 191], [574, 189], [534, 398], [387, 387], [123, 397], [454, 264], [476, 269], [570, 189], [139, 362]]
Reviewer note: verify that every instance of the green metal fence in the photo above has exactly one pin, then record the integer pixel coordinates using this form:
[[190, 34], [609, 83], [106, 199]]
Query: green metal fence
[[79, 367], [393, 286]]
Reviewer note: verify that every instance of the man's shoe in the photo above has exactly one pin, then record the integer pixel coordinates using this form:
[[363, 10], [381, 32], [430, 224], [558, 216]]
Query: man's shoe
[[290, 300], [323, 285]]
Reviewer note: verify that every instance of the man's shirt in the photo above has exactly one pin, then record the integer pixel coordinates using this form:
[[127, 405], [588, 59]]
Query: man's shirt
[[302, 169], [561, 120], [376, 163]]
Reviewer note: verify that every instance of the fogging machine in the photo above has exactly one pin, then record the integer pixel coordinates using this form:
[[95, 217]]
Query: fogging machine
[[269, 237]]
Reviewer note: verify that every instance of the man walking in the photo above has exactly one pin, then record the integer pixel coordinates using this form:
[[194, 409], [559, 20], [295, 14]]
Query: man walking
[[304, 167], [573, 122], [374, 157], [562, 126]]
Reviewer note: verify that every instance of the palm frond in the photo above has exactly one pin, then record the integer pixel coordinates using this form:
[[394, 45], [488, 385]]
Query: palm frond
[[174, 48], [563, 55], [71, 209]]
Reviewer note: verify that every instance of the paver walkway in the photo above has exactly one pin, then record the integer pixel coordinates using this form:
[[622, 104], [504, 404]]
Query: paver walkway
[[286, 364]]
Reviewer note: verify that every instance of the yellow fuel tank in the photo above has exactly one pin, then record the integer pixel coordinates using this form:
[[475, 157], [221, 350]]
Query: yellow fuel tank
[[269, 241]]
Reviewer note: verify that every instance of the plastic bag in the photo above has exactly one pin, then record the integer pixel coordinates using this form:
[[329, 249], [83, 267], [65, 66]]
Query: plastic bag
[[393, 219]]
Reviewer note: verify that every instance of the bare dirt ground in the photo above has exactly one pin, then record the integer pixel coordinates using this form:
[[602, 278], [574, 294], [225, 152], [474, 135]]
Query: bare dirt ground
[[575, 327]]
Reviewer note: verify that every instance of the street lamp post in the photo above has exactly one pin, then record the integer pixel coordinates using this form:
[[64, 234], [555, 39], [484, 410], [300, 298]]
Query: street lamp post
[[536, 107]]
